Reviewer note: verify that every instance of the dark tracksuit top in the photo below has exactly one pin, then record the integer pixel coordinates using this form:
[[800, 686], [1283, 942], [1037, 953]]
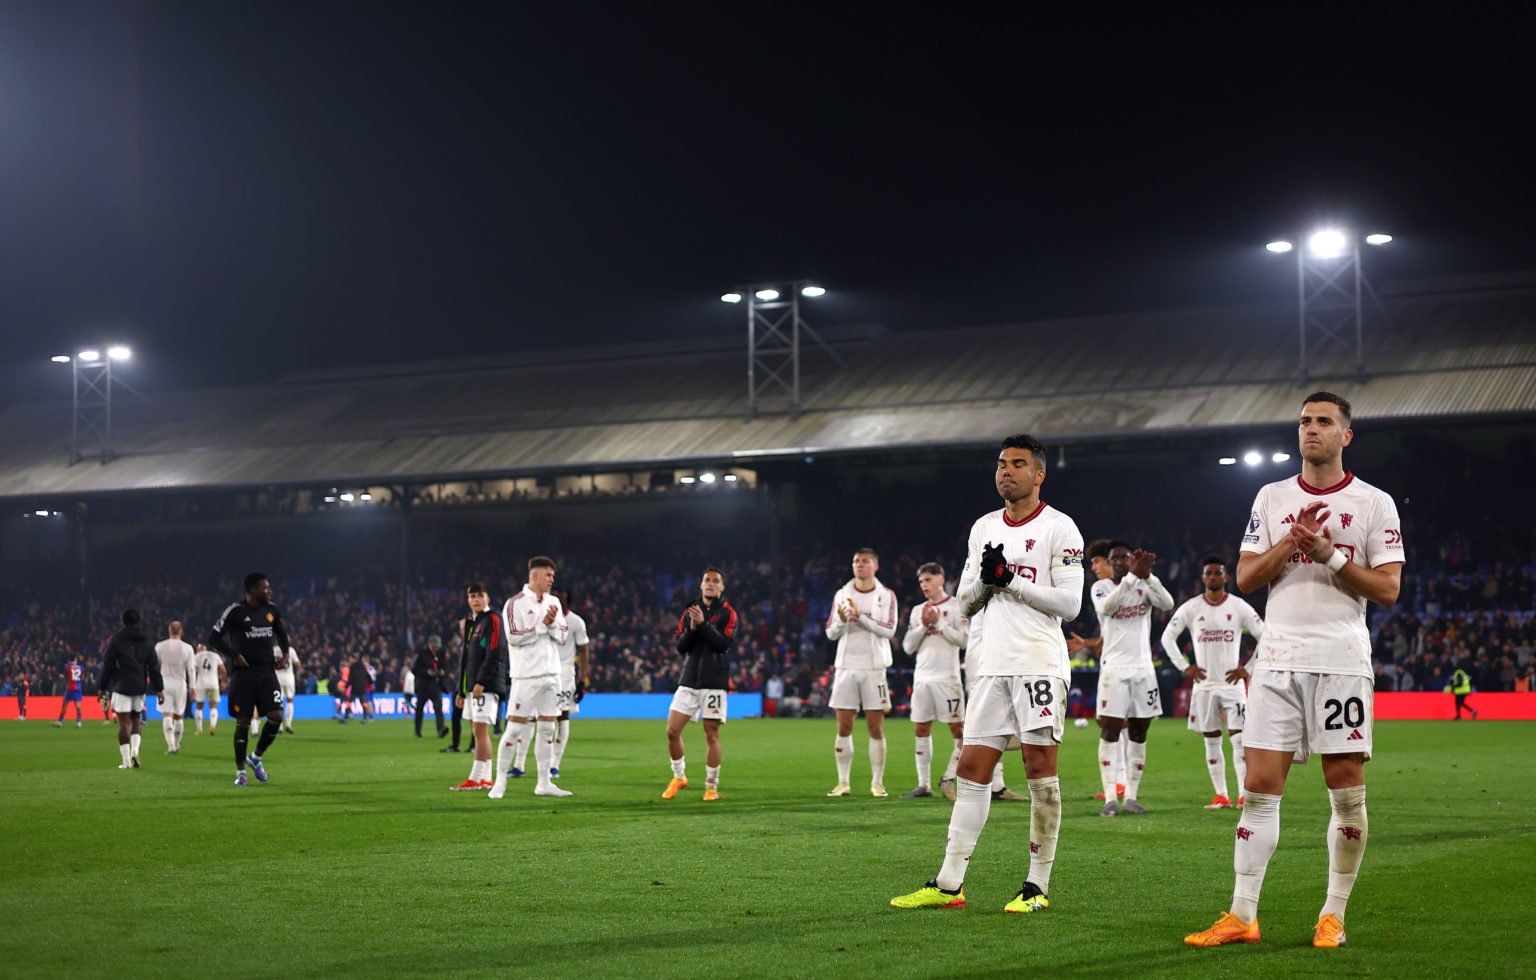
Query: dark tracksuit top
[[707, 646], [130, 665], [485, 660]]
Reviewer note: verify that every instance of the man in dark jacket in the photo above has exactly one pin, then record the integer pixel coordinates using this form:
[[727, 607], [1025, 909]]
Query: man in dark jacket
[[129, 668], [485, 675], [704, 636], [429, 669]]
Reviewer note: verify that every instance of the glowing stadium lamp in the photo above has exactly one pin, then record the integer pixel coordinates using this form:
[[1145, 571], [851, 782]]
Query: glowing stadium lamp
[[1279, 457], [767, 295], [730, 298], [118, 352], [61, 358], [89, 356], [1253, 457], [365, 496], [813, 291], [1328, 243], [1377, 239], [706, 478], [330, 498], [1227, 461], [347, 497], [1279, 248], [729, 478], [40, 513], [685, 479]]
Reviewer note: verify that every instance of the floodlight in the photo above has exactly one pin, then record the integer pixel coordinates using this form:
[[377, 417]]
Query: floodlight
[[685, 479], [1279, 248], [1328, 243], [89, 356], [767, 295], [365, 496], [61, 358], [347, 497], [1253, 457], [729, 478], [1227, 461], [1377, 239], [1280, 457], [706, 478], [730, 298], [813, 291], [330, 498], [40, 513], [118, 352]]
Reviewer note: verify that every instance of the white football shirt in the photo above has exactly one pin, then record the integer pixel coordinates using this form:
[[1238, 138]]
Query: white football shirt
[[863, 643], [208, 664], [1216, 632], [286, 673], [936, 647], [1125, 620], [176, 658], [576, 636], [533, 646], [1312, 623]]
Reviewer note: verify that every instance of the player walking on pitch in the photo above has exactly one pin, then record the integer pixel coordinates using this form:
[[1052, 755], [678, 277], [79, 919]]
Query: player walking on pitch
[[936, 633], [1025, 564], [862, 622], [74, 691], [535, 627], [1325, 543], [704, 635], [128, 670], [1216, 621], [251, 634], [288, 682], [210, 677], [176, 669]]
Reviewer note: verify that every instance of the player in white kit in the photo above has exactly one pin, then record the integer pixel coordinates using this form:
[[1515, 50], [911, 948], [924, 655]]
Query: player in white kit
[[208, 680], [178, 671], [573, 683], [1128, 694], [1216, 621], [936, 633], [862, 622], [1025, 563], [1325, 543], [535, 628], [288, 681]]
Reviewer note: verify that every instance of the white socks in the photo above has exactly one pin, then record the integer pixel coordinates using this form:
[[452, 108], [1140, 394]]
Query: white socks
[[521, 734], [844, 750], [680, 768], [1347, 832], [924, 760], [972, 803], [123, 751], [1135, 765], [1044, 825], [1109, 759], [1239, 763], [954, 759], [1216, 764], [877, 761], [133, 743], [480, 770], [997, 778], [562, 737], [1258, 831], [712, 777], [177, 728], [168, 726], [503, 754], [288, 712], [213, 717], [544, 750]]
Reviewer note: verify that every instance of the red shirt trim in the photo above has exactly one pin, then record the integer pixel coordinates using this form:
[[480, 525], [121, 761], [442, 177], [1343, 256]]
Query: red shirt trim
[[1218, 605], [1032, 515], [1309, 488]]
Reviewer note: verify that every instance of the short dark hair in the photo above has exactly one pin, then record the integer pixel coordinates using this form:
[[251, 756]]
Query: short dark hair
[[1213, 560], [1339, 400], [717, 571], [867, 551], [540, 561], [1025, 441], [130, 617], [252, 578], [1097, 548], [474, 587], [931, 568], [1118, 543]]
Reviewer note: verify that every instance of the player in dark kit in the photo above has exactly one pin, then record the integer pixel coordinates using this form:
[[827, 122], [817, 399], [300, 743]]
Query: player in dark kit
[[129, 668], [430, 671], [250, 633], [704, 635]]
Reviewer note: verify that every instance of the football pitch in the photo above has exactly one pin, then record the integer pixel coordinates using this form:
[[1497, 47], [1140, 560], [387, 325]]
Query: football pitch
[[355, 860]]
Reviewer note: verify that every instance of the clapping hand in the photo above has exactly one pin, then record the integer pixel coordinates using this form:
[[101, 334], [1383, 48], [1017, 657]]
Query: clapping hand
[[994, 566], [1141, 563]]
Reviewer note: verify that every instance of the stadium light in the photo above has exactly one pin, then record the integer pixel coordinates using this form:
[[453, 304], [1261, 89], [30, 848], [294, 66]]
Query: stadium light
[[365, 496], [119, 352], [685, 479], [347, 497], [1377, 239], [1280, 457], [706, 478], [1227, 461], [89, 356], [61, 358], [40, 513], [1253, 457], [1328, 243], [767, 295], [330, 498], [1280, 247], [729, 478], [813, 291], [730, 298]]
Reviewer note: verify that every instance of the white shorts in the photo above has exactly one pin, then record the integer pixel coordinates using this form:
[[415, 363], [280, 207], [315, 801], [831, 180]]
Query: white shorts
[[286, 684], [855, 689], [123, 703], [565, 697], [481, 708], [1210, 706], [1129, 694], [709, 703], [1302, 713], [938, 701], [534, 697], [173, 700], [207, 695], [1032, 708]]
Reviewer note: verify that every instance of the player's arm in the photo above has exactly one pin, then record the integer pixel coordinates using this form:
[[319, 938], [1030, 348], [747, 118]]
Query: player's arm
[[836, 625], [955, 629], [972, 593], [1260, 559], [279, 630], [913, 638], [882, 622], [1158, 593], [719, 638], [494, 660], [1063, 598], [1108, 597], [1252, 623], [523, 622], [153, 666], [108, 670], [1170, 642]]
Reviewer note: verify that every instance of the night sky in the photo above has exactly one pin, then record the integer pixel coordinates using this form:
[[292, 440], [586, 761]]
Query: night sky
[[242, 189]]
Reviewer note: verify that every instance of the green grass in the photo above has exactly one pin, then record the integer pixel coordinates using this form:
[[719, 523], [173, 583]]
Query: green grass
[[356, 861]]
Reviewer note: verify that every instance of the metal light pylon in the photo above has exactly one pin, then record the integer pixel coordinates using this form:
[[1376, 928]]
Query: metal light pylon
[[774, 330], [1331, 299], [92, 410]]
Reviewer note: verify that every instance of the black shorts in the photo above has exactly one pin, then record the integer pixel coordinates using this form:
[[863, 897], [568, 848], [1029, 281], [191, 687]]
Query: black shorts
[[254, 691]]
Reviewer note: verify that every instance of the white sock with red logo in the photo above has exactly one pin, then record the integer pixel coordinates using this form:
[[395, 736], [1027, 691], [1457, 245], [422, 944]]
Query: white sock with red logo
[[1347, 832], [1216, 762], [954, 759], [843, 749], [1044, 826], [1239, 762], [877, 761], [1135, 766], [1109, 757], [1258, 831], [924, 754]]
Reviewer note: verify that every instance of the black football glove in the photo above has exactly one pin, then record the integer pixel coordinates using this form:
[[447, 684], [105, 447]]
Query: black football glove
[[994, 567], [581, 690]]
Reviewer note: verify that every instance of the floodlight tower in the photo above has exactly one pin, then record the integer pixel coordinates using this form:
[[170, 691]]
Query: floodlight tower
[[1331, 292], [92, 400], [774, 327]]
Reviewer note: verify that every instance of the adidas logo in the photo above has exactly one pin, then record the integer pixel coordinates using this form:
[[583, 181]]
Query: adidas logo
[[1355, 736], [1045, 713]]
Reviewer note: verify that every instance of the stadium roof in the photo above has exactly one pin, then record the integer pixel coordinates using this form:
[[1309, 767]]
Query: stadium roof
[[1451, 348]]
